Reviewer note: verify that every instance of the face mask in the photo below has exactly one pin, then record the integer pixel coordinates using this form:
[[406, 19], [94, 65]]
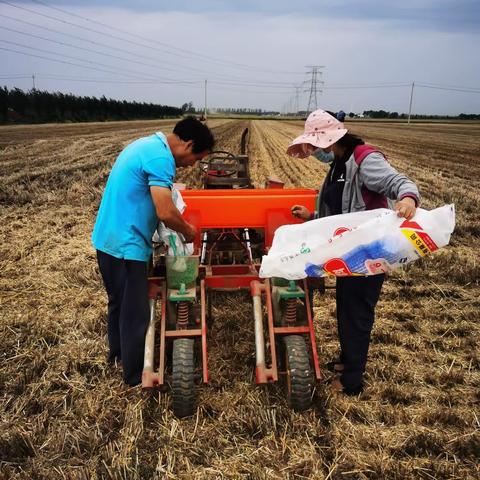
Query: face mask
[[323, 156]]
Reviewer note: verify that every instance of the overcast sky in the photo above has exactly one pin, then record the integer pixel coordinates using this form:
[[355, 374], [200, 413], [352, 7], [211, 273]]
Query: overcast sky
[[252, 52]]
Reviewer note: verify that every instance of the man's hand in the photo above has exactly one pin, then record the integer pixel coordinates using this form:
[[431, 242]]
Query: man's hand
[[169, 214], [190, 234], [299, 211], [406, 208]]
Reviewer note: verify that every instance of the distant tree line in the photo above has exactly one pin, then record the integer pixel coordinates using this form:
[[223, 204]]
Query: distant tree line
[[241, 111], [385, 114], [37, 106], [367, 113]]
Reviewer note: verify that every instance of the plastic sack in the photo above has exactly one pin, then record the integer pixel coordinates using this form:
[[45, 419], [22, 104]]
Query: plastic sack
[[362, 243], [174, 240]]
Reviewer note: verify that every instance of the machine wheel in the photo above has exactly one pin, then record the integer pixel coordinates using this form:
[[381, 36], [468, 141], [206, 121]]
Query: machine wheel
[[183, 377], [299, 377]]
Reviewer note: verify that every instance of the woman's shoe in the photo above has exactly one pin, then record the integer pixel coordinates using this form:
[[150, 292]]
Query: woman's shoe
[[336, 387], [334, 366]]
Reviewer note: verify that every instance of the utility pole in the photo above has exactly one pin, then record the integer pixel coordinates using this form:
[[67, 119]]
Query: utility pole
[[33, 81], [316, 80], [205, 109], [411, 100]]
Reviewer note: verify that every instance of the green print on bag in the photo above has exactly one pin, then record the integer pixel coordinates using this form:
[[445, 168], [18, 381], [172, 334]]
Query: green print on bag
[[304, 249]]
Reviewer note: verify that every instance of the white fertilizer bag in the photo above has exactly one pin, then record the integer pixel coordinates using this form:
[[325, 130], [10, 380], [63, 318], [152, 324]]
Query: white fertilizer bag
[[363, 243]]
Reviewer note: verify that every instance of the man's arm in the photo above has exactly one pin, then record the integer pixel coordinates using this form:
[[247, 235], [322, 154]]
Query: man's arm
[[169, 214]]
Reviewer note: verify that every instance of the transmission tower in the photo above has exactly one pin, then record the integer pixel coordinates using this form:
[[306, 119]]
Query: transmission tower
[[316, 72], [297, 89]]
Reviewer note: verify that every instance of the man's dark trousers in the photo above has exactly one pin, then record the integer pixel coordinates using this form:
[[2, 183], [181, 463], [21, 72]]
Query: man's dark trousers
[[128, 312], [356, 301]]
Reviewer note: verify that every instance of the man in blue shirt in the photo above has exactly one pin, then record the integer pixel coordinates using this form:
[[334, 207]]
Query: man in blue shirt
[[136, 197]]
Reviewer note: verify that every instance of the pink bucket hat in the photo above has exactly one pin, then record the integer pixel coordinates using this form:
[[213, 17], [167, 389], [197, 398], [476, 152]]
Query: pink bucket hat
[[321, 131]]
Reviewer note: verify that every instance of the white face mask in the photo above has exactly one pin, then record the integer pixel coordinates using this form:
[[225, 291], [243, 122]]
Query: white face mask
[[323, 156]]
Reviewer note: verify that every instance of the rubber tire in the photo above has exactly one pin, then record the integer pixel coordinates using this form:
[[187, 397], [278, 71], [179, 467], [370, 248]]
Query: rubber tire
[[184, 393], [299, 376]]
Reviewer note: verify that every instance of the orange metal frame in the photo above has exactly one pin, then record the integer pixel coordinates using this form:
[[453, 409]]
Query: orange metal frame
[[158, 290], [267, 209], [223, 209]]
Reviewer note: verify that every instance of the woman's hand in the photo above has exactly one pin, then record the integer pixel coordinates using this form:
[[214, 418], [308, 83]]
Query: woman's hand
[[299, 211], [406, 208], [301, 150]]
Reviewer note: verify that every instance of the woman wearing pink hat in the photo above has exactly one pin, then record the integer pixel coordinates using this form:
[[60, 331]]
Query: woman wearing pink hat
[[360, 178]]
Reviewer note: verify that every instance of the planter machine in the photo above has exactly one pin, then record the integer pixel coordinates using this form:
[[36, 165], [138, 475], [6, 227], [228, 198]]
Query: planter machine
[[235, 224]]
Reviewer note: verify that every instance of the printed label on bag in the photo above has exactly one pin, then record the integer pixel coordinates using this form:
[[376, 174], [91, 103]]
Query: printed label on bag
[[337, 267], [379, 265], [341, 230], [420, 240]]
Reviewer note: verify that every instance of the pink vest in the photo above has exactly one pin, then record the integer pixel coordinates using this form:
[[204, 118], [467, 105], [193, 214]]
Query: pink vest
[[372, 199]]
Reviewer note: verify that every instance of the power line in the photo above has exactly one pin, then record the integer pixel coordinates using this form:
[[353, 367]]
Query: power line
[[175, 50], [355, 87], [179, 52], [196, 54], [13, 77], [138, 75], [151, 82], [135, 74], [297, 88], [50, 17], [198, 85], [464, 90], [277, 85], [135, 54], [257, 84], [146, 81], [189, 69], [252, 91], [113, 69], [140, 81], [115, 81], [220, 86], [83, 66], [95, 51], [82, 48], [449, 86]]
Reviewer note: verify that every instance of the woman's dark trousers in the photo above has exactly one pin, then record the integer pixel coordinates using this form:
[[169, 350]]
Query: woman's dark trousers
[[356, 301], [128, 312]]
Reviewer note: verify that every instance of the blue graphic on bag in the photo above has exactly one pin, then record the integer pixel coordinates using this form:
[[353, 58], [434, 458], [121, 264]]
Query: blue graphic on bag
[[355, 259], [314, 270]]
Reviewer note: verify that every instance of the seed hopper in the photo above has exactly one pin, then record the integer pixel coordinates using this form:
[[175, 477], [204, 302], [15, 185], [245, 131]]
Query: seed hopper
[[235, 228]]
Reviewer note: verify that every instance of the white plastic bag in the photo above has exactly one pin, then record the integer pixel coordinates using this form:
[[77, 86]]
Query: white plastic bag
[[363, 243], [174, 240]]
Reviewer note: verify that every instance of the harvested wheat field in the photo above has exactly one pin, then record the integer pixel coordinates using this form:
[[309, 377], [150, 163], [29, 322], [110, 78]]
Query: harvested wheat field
[[66, 415]]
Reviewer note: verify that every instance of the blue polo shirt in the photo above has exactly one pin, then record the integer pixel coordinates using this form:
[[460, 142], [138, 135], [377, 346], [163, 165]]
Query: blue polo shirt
[[127, 218]]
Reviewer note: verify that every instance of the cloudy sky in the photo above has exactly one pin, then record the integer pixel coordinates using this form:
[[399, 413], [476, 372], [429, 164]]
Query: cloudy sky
[[252, 53]]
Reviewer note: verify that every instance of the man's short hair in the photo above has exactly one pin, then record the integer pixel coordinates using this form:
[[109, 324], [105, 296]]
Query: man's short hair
[[192, 129]]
